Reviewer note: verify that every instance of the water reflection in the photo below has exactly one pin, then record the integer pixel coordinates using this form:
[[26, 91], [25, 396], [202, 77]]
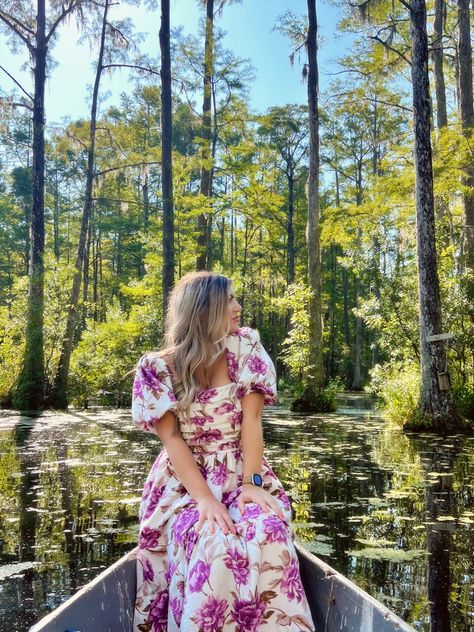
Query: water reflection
[[384, 508], [379, 506]]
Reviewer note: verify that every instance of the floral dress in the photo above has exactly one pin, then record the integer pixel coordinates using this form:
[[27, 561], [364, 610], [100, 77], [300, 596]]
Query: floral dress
[[247, 582]]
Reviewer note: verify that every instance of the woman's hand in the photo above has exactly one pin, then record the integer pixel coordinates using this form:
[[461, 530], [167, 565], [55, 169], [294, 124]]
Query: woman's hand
[[212, 510], [252, 494]]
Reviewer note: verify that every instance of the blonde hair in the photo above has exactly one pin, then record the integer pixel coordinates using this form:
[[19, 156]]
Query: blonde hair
[[196, 327]]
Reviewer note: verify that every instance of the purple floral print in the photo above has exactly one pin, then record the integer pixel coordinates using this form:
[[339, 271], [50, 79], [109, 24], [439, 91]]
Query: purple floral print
[[232, 365], [226, 407], [149, 378], [263, 390], [183, 524], [147, 489], [250, 532], [275, 529], [241, 391], [176, 606], [207, 436], [200, 420], [198, 575], [252, 510], [257, 365], [137, 390], [204, 396], [192, 539], [153, 500], [236, 419], [238, 564], [159, 612], [220, 474], [210, 618], [248, 613], [215, 582], [291, 582], [283, 498], [148, 538], [148, 572], [170, 571]]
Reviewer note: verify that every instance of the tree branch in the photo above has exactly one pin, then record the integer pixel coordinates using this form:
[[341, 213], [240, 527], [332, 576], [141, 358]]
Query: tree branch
[[133, 164], [150, 70], [17, 83], [15, 104], [16, 29], [60, 18], [388, 47], [406, 4]]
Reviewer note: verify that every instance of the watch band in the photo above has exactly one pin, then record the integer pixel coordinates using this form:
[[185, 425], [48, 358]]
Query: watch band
[[253, 479]]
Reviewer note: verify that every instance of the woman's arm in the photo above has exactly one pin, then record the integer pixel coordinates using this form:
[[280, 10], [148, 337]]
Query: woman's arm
[[252, 454], [252, 434], [189, 475]]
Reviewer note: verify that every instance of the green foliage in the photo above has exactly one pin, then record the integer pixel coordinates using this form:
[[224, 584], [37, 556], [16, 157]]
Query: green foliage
[[464, 396], [295, 347], [397, 387], [105, 356]]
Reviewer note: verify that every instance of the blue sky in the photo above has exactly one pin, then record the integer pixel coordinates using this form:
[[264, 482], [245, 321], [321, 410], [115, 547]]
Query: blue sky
[[250, 34]]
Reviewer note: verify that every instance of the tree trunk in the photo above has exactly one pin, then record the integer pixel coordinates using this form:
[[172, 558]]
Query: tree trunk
[[467, 123], [357, 373], [85, 285], [356, 384], [310, 399], [436, 402], [30, 389], [56, 216], [438, 56], [205, 186], [231, 238], [146, 195], [290, 231], [331, 357], [59, 397], [166, 154]]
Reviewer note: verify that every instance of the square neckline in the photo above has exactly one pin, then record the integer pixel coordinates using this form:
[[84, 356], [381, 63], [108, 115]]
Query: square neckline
[[227, 351]]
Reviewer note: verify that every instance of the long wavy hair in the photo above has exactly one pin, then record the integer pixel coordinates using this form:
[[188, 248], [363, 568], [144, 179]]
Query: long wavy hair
[[196, 327]]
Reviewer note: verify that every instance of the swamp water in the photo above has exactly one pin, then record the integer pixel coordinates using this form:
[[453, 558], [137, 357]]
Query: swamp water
[[394, 513]]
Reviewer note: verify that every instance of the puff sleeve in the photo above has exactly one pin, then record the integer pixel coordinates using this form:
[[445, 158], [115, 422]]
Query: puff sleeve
[[152, 392], [257, 373]]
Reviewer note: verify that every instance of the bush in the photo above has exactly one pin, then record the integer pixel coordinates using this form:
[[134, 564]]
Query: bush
[[102, 362], [397, 388], [323, 402], [464, 396]]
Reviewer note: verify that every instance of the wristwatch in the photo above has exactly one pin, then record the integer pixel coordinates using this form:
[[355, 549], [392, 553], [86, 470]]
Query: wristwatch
[[254, 479]]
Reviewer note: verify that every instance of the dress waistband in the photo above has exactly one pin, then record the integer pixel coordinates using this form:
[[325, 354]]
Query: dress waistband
[[214, 448]]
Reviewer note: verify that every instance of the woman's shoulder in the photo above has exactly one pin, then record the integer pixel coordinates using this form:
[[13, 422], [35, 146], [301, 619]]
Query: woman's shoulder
[[156, 361], [248, 334]]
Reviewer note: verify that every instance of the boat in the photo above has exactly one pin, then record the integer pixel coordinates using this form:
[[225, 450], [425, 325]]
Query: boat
[[106, 603]]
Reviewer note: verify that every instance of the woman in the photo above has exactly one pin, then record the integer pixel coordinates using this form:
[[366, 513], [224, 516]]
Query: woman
[[215, 548]]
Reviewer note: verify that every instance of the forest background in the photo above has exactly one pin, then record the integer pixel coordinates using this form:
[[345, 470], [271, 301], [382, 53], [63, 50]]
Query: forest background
[[239, 204]]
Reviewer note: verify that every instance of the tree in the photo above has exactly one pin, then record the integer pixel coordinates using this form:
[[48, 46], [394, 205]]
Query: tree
[[436, 402], [438, 58], [285, 128], [36, 30], [206, 168], [466, 108], [119, 43], [315, 380], [58, 397], [166, 153]]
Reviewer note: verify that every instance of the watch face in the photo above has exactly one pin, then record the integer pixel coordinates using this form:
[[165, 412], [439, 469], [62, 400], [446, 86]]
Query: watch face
[[257, 480]]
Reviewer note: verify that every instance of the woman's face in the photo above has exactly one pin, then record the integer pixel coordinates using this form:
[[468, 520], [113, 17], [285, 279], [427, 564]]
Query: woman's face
[[234, 311]]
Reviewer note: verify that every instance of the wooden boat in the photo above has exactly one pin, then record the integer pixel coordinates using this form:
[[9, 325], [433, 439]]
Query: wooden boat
[[106, 603]]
